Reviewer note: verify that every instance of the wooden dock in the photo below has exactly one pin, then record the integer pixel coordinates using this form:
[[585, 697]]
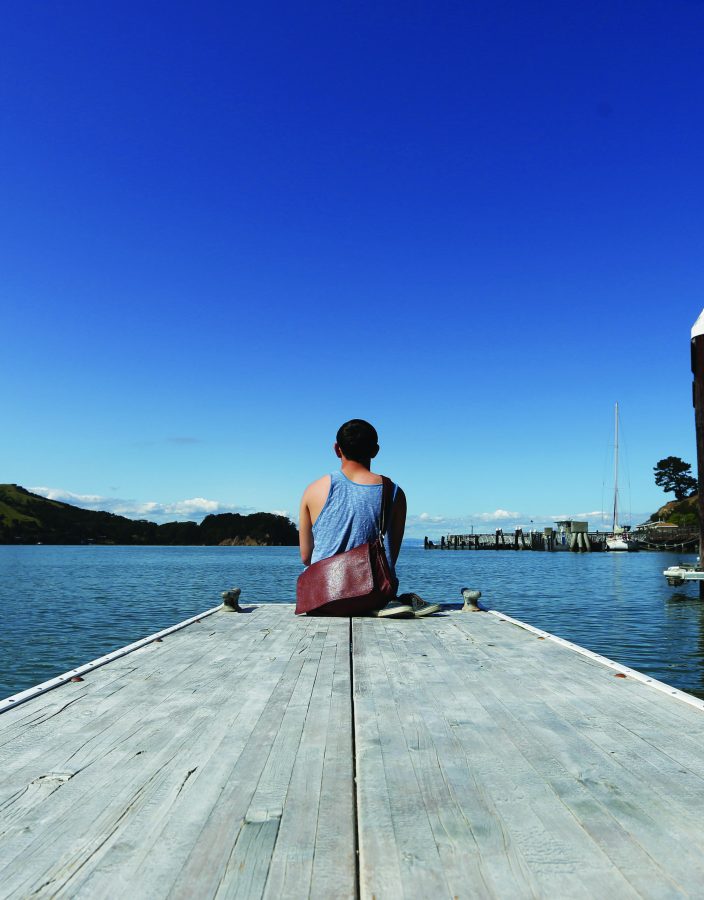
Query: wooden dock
[[260, 755], [594, 541], [675, 540]]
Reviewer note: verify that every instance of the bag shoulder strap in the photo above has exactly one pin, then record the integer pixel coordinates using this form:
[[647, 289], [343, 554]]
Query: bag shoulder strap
[[387, 501]]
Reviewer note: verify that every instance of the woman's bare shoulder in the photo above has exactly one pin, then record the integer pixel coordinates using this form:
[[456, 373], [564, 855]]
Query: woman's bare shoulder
[[318, 488]]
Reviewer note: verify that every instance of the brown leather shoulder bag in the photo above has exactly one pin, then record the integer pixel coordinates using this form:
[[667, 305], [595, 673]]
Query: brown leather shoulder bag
[[355, 582]]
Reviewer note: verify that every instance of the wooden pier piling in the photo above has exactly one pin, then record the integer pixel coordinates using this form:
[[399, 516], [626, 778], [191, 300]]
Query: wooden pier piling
[[577, 542], [697, 355]]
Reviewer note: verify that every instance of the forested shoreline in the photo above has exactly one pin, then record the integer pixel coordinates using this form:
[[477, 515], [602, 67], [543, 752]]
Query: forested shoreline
[[27, 518]]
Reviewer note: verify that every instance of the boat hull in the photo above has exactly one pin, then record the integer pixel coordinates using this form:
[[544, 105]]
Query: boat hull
[[619, 545]]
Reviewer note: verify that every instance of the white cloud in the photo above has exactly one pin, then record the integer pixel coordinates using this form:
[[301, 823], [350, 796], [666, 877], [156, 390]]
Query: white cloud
[[497, 516], [423, 523], [195, 508], [487, 522], [131, 508], [582, 515], [279, 512], [90, 501]]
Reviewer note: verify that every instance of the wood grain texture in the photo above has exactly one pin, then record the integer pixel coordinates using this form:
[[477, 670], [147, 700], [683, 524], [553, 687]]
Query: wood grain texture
[[221, 762], [174, 779], [538, 772]]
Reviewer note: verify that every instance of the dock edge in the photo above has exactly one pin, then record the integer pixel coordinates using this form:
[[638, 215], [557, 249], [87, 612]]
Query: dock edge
[[690, 699], [58, 680]]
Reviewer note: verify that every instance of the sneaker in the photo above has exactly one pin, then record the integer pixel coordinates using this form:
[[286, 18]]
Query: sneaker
[[394, 610], [419, 606]]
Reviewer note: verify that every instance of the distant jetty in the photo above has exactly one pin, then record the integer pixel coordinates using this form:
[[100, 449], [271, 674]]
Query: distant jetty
[[571, 535]]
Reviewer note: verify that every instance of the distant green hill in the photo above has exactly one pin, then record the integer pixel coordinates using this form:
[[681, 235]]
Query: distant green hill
[[27, 518], [679, 512]]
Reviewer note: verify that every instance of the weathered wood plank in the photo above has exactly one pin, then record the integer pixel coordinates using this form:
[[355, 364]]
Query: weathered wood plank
[[317, 840], [220, 763], [271, 784], [335, 858], [110, 782], [164, 665], [78, 733], [620, 714], [214, 739], [669, 836], [217, 760], [593, 812], [526, 741], [384, 768], [464, 820], [530, 821], [160, 843], [256, 789]]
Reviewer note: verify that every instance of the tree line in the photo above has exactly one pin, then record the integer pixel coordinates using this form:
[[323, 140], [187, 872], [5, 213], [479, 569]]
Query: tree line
[[27, 518]]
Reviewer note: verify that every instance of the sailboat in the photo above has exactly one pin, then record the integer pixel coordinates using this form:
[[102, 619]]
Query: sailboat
[[618, 541]]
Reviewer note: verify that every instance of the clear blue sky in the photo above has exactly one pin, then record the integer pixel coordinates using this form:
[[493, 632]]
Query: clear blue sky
[[228, 228]]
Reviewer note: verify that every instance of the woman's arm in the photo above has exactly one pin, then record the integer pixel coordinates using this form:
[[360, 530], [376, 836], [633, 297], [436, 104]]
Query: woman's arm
[[313, 501], [305, 531], [397, 526]]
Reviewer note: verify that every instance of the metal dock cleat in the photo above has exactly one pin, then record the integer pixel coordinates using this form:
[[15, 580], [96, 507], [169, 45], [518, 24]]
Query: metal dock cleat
[[230, 600], [470, 598]]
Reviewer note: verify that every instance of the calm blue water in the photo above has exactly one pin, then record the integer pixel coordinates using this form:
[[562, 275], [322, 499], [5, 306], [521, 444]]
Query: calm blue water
[[63, 606]]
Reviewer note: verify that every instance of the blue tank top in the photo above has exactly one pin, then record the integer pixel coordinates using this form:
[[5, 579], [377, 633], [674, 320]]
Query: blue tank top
[[350, 517]]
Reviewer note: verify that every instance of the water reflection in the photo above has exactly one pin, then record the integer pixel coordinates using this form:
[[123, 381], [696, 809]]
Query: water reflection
[[680, 597]]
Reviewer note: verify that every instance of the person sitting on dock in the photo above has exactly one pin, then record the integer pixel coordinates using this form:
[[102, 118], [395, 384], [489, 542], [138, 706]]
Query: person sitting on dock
[[343, 510]]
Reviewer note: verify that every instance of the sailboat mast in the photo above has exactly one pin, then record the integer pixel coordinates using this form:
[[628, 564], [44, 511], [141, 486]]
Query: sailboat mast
[[615, 522]]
